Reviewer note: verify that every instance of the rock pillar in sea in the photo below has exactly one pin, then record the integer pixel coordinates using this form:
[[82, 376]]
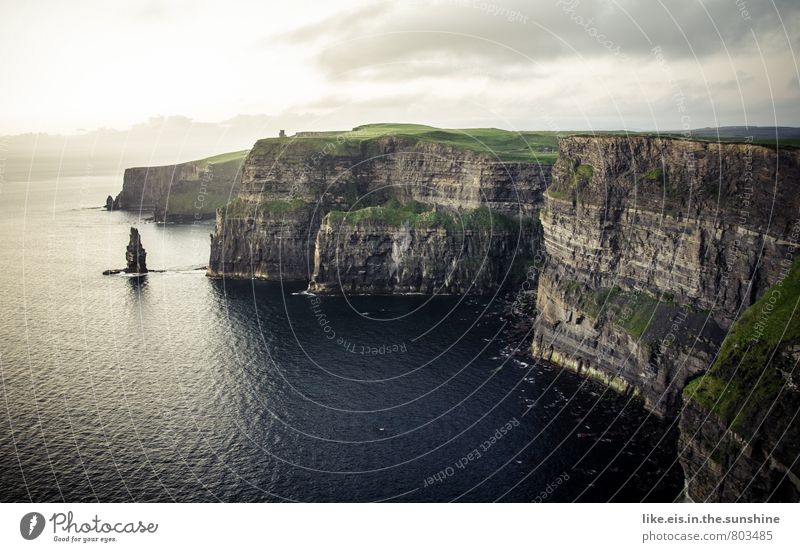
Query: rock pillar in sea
[[110, 203], [135, 254]]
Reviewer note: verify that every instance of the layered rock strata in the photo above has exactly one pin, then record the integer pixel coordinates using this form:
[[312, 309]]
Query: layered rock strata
[[739, 428], [413, 256], [184, 192], [654, 247], [274, 229]]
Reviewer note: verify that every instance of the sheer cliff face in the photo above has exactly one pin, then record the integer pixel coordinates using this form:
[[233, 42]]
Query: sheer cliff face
[[654, 245], [754, 465], [180, 193], [274, 229], [357, 258], [357, 174], [739, 426]]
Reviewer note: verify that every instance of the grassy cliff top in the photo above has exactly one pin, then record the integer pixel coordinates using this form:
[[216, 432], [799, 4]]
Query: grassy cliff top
[[503, 145], [746, 377], [226, 157], [422, 215], [790, 143], [221, 159], [499, 144]]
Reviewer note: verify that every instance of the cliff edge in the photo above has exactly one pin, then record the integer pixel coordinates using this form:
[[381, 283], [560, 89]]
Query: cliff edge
[[739, 426], [655, 246], [383, 209], [184, 192]]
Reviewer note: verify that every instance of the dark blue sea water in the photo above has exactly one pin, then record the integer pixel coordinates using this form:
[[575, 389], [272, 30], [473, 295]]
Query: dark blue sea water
[[175, 387]]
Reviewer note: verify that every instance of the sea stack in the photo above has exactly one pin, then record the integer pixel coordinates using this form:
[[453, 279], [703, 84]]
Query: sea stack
[[109, 203], [135, 254]]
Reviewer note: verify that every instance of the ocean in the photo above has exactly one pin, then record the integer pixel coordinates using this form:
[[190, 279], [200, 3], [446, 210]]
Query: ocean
[[177, 387]]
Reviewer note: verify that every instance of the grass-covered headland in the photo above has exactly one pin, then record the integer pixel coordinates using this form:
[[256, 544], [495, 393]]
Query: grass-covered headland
[[754, 365], [502, 145]]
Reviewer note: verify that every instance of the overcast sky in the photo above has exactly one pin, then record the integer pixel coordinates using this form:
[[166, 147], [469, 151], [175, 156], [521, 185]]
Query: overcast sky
[[537, 64]]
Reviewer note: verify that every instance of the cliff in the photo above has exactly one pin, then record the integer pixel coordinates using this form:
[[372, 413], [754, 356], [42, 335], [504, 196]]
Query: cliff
[[656, 249], [386, 250], [376, 184], [653, 247], [739, 431], [184, 192]]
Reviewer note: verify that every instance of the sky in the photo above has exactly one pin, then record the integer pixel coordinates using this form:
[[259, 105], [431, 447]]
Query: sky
[[68, 67]]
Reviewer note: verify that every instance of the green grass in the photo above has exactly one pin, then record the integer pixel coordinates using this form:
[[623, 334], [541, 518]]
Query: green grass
[[790, 143], [654, 175], [630, 311], [421, 215], [558, 194], [576, 176], [227, 157], [503, 145], [204, 197], [636, 320], [750, 345], [392, 214], [498, 144], [584, 171], [193, 202]]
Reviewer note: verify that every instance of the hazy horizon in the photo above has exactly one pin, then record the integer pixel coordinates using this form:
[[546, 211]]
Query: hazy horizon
[[169, 140], [560, 65]]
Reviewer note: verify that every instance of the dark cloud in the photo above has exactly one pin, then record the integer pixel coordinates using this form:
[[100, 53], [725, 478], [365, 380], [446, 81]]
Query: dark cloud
[[403, 40]]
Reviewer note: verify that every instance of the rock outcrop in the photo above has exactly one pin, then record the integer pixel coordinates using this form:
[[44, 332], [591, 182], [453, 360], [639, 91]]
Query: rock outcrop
[[432, 252], [654, 247], [739, 428], [135, 255], [274, 229], [184, 192]]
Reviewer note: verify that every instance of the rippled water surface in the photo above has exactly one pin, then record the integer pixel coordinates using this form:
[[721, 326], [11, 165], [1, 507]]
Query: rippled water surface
[[177, 387]]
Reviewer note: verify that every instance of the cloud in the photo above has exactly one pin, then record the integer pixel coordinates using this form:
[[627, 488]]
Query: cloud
[[409, 40], [576, 63]]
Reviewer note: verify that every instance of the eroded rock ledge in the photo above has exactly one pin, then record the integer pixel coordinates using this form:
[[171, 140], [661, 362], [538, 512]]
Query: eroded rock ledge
[[390, 209]]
